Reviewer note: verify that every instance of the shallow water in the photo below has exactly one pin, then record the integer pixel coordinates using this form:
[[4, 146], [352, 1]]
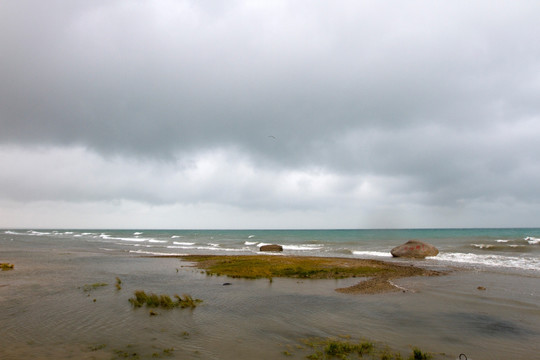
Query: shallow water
[[46, 313]]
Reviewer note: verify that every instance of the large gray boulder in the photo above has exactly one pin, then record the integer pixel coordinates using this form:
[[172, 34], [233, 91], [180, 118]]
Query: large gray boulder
[[414, 249], [271, 248]]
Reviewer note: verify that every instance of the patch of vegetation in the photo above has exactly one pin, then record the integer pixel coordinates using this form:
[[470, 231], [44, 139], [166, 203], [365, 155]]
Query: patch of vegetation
[[388, 355], [90, 287], [419, 355], [97, 347], [121, 354], [6, 266], [380, 273], [130, 352], [263, 266], [343, 348], [118, 284], [165, 352], [152, 300], [326, 349]]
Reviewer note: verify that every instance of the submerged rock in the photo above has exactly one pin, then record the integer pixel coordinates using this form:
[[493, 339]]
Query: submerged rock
[[273, 247], [414, 249]]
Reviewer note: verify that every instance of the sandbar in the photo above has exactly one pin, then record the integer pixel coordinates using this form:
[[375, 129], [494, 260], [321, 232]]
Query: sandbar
[[376, 275]]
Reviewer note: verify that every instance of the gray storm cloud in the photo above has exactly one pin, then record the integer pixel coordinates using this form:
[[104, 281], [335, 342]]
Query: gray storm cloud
[[440, 99]]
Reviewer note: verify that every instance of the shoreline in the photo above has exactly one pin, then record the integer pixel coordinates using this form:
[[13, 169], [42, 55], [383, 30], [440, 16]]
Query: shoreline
[[447, 313]]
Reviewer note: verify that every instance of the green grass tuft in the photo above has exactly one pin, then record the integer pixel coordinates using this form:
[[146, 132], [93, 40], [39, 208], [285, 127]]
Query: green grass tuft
[[118, 284], [333, 348], [342, 349], [419, 355]]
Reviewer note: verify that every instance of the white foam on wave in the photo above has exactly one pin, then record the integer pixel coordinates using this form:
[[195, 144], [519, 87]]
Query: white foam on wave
[[9, 232], [205, 248], [527, 263], [502, 241], [372, 253], [183, 243], [250, 243], [155, 253], [37, 233], [303, 247], [137, 233], [251, 236], [157, 241], [109, 237], [128, 239], [482, 246], [176, 236], [532, 240]]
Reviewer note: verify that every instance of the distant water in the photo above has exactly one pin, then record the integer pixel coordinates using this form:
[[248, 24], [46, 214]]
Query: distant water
[[488, 306], [507, 249]]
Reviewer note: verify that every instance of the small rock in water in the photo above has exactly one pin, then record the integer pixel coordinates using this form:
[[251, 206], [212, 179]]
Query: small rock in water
[[481, 288], [273, 247], [225, 284]]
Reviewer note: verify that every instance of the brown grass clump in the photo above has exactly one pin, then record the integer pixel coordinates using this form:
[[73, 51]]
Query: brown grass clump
[[90, 287], [163, 301], [6, 266], [379, 273]]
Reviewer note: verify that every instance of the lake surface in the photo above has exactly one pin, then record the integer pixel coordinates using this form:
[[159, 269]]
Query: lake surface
[[47, 312]]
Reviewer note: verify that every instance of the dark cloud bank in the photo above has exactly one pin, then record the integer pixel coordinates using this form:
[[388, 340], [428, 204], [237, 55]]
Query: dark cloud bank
[[426, 107]]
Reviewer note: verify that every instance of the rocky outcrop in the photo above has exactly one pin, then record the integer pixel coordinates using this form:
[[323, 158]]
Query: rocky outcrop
[[273, 247], [414, 249]]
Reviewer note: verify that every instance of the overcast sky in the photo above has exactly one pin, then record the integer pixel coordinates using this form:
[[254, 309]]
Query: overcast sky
[[269, 114]]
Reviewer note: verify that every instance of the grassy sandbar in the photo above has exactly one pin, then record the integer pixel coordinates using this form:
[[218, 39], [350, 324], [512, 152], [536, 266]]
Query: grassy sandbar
[[379, 273]]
